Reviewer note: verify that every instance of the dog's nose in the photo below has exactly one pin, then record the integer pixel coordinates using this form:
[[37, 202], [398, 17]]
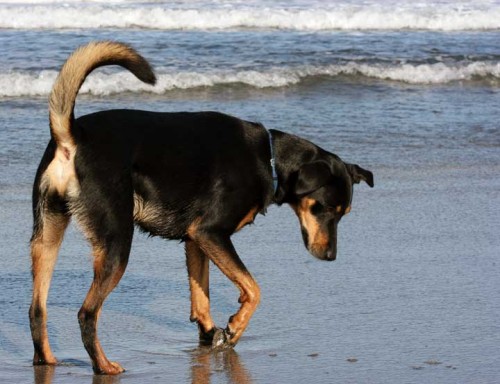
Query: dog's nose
[[331, 255]]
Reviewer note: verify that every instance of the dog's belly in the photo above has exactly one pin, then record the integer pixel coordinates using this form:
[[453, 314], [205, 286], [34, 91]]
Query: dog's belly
[[153, 218]]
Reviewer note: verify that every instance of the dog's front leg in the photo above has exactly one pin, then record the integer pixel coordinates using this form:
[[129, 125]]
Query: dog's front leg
[[220, 250], [197, 266]]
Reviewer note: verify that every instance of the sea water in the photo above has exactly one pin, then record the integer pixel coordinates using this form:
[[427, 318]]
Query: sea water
[[407, 89]]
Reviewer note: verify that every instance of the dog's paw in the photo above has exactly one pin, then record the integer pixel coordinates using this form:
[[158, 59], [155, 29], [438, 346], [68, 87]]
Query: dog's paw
[[206, 338], [110, 368], [46, 360], [221, 339]]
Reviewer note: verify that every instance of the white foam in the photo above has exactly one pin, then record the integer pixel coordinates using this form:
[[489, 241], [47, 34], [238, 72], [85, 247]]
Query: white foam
[[438, 73], [17, 84], [14, 84], [343, 16]]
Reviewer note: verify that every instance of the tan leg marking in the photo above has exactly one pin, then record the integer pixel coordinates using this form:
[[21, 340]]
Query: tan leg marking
[[249, 299], [198, 271], [248, 219], [226, 259], [107, 274], [44, 249]]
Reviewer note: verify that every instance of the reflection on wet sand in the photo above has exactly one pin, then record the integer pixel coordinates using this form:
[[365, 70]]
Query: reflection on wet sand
[[103, 379], [205, 361], [44, 374]]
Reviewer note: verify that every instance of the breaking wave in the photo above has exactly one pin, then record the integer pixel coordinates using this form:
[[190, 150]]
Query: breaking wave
[[343, 16], [18, 84]]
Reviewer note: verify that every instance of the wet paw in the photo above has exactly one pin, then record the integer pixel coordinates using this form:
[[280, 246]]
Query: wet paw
[[117, 368], [221, 339], [206, 337], [112, 368], [47, 360]]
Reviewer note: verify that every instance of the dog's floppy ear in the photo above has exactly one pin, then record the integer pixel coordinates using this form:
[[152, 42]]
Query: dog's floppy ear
[[357, 174], [311, 177]]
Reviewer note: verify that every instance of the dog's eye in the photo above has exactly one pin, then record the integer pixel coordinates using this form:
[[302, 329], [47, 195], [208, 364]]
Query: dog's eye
[[317, 208]]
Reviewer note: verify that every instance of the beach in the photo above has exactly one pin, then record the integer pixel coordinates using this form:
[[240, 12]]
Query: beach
[[413, 294]]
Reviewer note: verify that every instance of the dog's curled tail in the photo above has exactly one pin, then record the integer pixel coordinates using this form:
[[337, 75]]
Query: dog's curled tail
[[73, 73]]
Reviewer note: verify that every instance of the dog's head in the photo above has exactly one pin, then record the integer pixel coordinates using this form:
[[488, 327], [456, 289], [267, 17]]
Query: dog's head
[[322, 195]]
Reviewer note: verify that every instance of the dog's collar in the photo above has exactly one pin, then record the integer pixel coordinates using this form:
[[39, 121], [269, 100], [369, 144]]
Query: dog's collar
[[273, 162]]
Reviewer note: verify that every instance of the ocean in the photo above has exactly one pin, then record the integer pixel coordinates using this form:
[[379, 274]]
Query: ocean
[[407, 89]]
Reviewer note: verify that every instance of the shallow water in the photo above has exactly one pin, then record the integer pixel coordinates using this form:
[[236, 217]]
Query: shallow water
[[412, 297]]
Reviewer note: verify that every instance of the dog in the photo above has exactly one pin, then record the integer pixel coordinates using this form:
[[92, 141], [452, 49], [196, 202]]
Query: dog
[[196, 177]]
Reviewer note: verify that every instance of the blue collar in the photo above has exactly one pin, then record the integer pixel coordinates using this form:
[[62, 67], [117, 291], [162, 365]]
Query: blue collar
[[273, 162]]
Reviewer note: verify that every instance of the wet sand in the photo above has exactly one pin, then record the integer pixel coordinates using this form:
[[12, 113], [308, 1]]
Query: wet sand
[[412, 297]]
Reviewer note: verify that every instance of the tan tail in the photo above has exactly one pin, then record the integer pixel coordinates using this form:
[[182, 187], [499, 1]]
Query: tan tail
[[72, 75]]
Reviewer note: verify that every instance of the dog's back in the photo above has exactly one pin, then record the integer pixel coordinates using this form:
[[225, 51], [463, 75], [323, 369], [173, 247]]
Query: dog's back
[[179, 164]]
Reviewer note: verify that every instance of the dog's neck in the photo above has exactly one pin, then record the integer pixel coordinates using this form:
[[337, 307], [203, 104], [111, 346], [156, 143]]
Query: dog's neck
[[290, 153], [273, 163]]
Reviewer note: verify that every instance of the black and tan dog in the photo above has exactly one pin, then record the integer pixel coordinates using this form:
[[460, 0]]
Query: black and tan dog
[[198, 177]]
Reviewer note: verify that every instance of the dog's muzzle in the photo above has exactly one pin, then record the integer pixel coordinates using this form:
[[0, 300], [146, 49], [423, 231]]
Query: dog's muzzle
[[328, 251]]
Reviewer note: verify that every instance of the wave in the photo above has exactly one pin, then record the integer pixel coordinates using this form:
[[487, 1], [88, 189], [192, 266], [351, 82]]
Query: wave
[[345, 16], [21, 84]]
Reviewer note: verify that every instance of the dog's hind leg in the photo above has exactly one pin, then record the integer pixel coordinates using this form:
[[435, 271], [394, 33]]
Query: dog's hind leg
[[47, 237], [198, 270], [108, 223], [109, 266]]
